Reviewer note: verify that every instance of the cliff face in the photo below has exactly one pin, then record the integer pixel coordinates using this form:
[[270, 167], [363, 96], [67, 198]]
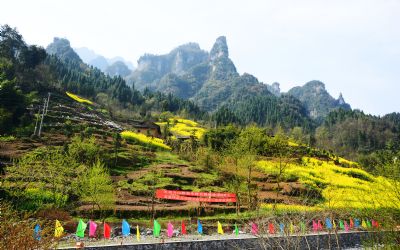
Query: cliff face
[[317, 100]]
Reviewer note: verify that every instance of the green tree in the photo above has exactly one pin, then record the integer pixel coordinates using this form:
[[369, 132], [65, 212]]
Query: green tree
[[96, 187], [45, 169], [85, 151]]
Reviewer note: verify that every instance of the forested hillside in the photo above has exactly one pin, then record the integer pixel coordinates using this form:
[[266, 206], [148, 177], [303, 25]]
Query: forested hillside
[[209, 79], [28, 72]]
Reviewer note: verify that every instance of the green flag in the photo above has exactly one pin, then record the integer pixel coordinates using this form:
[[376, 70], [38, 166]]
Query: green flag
[[369, 225], [236, 230], [157, 229], [303, 227], [80, 230], [341, 225]]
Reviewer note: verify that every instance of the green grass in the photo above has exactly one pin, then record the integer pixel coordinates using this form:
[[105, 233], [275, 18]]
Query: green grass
[[7, 138], [168, 157]]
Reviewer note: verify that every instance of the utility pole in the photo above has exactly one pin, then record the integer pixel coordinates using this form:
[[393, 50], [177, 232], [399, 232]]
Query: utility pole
[[48, 99], [37, 121], [45, 106]]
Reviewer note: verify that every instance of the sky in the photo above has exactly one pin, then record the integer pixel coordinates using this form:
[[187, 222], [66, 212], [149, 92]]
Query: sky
[[353, 46]]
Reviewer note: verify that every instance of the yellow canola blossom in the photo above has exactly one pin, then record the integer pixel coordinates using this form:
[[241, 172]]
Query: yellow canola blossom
[[184, 127], [340, 187], [152, 141], [78, 98]]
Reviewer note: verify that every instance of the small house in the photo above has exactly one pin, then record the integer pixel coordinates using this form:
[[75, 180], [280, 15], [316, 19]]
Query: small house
[[146, 127]]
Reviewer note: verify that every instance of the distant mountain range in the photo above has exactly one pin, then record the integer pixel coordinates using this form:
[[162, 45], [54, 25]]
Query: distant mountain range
[[111, 66], [210, 79]]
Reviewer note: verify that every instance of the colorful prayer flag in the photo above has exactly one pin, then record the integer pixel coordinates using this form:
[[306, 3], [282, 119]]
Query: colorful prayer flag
[[126, 228], [236, 230], [80, 229], [334, 224], [303, 227], [314, 226], [369, 223], [156, 229], [363, 224], [282, 228], [346, 226], [92, 229], [183, 228], [328, 223], [375, 224], [220, 230], [170, 229], [351, 223], [199, 227], [254, 228], [107, 231], [271, 228], [291, 228], [341, 225], [36, 232], [59, 230], [356, 223], [137, 233]]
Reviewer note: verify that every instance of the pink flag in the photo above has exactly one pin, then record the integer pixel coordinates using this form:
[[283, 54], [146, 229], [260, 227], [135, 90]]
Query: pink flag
[[170, 229], [92, 229], [320, 225], [314, 226], [346, 226], [254, 228]]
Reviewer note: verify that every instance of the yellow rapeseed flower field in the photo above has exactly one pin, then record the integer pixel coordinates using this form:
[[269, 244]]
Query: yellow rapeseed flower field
[[183, 127], [78, 98], [141, 138], [341, 187]]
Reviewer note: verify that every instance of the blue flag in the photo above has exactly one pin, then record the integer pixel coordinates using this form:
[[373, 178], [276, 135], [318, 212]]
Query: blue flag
[[126, 229], [282, 228], [37, 230], [328, 223], [356, 223], [199, 227]]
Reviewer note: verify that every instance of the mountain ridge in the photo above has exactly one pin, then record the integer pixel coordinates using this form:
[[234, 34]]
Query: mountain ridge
[[213, 81]]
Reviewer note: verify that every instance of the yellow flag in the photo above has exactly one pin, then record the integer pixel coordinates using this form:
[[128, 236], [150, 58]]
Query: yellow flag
[[364, 224], [220, 230], [59, 230], [291, 229], [334, 224], [137, 233]]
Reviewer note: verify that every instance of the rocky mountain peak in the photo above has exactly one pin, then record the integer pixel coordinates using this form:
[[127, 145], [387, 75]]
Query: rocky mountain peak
[[61, 47], [340, 100], [274, 88], [316, 86], [220, 49]]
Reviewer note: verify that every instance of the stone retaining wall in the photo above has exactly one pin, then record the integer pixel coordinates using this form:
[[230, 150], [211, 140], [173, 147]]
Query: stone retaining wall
[[316, 241]]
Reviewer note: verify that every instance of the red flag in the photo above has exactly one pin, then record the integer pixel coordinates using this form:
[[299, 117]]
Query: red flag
[[351, 223], [107, 231], [183, 228], [375, 223], [271, 228]]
